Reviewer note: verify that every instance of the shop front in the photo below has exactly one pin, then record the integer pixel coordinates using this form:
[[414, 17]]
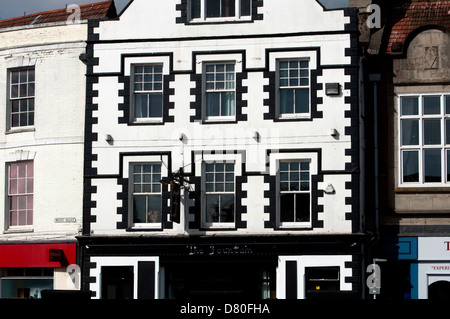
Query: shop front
[[28, 269], [433, 268], [220, 268]]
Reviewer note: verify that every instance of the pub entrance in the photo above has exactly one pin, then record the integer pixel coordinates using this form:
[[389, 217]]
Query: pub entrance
[[214, 280]]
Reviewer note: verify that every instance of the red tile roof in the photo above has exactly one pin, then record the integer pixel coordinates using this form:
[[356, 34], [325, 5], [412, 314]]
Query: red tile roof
[[410, 16], [99, 10]]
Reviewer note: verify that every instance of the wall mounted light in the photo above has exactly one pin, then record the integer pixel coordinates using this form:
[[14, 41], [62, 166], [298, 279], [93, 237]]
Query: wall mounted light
[[332, 89], [330, 189], [256, 136]]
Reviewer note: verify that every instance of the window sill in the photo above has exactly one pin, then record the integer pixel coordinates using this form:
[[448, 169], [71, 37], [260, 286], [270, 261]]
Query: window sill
[[295, 226], [147, 121], [219, 227], [20, 130], [19, 229], [294, 117], [423, 190], [221, 20], [145, 227]]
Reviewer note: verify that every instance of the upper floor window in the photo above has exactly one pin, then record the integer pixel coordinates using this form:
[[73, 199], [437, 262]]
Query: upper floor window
[[424, 139], [147, 93], [203, 10], [294, 193], [21, 98], [293, 88], [219, 196], [220, 91], [20, 194], [146, 194]]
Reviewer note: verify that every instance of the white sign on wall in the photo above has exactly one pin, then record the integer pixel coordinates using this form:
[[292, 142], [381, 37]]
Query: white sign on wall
[[434, 248]]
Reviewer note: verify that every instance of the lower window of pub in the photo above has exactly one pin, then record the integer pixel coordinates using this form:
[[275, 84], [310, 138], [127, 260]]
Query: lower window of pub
[[20, 193], [146, 193], [219, 194], [295, 194]]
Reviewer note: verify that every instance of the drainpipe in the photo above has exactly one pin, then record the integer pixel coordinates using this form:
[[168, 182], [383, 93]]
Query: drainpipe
[[375, 78]]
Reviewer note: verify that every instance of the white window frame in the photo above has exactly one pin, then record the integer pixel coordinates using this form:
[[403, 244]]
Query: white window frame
[[204, 18], [12, 99], [274, 160], [206, 91], [421, 147], [205, 193], [293, 87], [135, 92], [280, 192], [129, 64], [143, 193], [128, 164], [206, 157], [28, 226]]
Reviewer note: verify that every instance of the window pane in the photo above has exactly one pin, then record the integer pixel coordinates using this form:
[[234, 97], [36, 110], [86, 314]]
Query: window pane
[[228, 8], [228, 104], [14, 77], [431, 105], [22, 218], [432, 165], [246, 7], [287, 213], [154, 209], [227, 208], [447, 104], [155, 107], [139, 209], [431, 132], [447, 131], [13, 221], [448, 165], [141, 106], [212, 8], [195, 9], [286, 101], [410, 166], [410, 132], [212, 208], [212, 104], [302, 101], [302, 207], [14, 91], [409, 106], [31, 89]]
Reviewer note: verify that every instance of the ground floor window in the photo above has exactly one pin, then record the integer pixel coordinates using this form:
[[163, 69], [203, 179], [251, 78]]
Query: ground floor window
[[117, 282]]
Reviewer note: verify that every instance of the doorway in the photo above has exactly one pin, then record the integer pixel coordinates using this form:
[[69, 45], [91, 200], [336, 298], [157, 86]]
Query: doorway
[[216, 280], [117, 282], [439, 287]]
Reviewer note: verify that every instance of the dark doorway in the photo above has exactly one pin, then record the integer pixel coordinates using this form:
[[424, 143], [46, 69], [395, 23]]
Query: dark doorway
[[216, 280], [117, 282], [439, 290]]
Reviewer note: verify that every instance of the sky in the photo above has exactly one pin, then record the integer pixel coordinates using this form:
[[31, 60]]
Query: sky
[[17, 8]]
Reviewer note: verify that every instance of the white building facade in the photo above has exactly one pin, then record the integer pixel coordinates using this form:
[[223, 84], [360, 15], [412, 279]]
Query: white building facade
[[42, 98], [222, 152]]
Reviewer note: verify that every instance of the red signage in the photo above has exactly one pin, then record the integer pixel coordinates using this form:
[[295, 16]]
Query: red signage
[[37, 255]]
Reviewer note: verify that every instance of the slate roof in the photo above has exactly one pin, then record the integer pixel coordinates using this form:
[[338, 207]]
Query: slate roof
[[408, 17], [99, 10]]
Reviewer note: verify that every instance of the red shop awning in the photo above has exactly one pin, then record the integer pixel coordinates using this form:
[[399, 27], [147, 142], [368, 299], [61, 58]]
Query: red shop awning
[[37, 255]]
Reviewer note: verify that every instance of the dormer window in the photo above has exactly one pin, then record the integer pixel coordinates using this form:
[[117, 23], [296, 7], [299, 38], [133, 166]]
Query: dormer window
[[220, 10]]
